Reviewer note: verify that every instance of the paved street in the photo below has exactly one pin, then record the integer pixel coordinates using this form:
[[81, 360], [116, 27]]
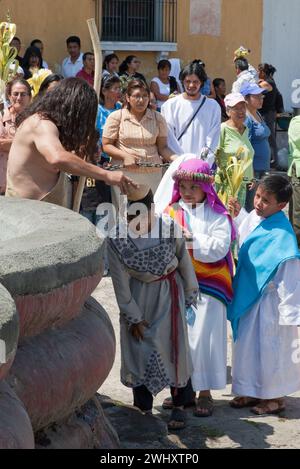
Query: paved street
[[227, 428]]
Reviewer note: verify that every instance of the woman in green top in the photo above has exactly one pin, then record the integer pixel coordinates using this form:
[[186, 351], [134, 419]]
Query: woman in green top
[[234, 138]]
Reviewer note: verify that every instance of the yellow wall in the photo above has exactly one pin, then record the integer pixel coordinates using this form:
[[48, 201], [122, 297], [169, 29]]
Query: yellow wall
[[54, 20], [241, 25]]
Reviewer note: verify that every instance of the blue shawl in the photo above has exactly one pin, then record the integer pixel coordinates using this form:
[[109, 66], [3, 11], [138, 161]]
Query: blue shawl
[[270, 244]]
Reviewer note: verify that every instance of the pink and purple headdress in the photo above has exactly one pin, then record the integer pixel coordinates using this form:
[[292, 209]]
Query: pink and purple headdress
[[199, 171]]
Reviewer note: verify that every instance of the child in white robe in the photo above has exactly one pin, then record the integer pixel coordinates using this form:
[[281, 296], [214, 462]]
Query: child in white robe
[[197, 209], [266, 305]]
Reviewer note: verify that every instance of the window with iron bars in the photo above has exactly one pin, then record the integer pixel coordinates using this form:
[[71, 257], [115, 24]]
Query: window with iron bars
[[139, 20]]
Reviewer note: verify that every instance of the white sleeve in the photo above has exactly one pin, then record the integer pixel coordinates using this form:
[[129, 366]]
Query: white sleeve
[[214, 246], [241, 217], [288, 281], [213, 135]]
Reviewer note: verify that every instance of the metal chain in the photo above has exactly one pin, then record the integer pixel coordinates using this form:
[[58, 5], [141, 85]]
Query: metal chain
[[117, 167]]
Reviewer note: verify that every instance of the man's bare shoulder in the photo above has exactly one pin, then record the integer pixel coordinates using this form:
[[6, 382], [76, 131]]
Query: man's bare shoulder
[[36, 123]]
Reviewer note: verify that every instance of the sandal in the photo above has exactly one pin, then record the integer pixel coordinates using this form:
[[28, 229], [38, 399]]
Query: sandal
[[177, 420], [243, 401], [204, 406], [269, 406], [168, 403]]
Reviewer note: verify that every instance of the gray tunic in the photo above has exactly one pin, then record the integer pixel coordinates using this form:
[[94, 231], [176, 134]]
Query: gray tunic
[[136, 264]]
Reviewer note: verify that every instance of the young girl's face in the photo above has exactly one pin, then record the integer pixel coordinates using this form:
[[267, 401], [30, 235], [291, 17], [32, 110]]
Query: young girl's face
[[191, 193]]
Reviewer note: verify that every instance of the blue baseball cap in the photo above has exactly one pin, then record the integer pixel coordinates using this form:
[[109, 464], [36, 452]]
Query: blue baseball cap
[[251, 88]]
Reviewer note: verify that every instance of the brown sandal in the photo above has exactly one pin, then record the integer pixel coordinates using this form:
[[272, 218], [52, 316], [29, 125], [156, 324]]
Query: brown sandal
[[243, 401], [204, 406], [269, 406]]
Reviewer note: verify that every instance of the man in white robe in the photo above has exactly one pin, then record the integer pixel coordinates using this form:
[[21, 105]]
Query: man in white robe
[[265, 364]]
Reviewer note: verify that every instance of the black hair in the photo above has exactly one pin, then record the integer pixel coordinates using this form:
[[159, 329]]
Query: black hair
[[278, 185], [73, 39], [163, 64], [267, 68], [199, 61], [15, 38], [72, 106], [30, 52], [124, 65], [107, 82], [108, 59], [193, 68], [34, 41], [217, 82], [86, 54], [241, 64], [48, 80]]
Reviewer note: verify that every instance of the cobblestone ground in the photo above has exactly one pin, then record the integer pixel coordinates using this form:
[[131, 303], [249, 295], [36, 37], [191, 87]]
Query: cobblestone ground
[[227, 428]]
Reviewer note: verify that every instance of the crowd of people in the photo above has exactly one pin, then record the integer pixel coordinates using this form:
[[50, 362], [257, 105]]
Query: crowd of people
[[187, 261]]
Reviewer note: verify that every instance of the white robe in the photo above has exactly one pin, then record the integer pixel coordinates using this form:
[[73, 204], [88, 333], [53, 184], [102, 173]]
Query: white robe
[[208, 334], [266, 362]]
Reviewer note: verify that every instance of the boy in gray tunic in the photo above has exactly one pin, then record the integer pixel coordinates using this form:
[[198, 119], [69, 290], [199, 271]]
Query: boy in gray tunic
[[154, 283]]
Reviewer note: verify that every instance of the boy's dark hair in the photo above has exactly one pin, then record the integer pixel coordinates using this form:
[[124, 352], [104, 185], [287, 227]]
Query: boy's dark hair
[[193, 69], [16, 38], [278, 185], [32, 44], [217, 82], [73, 39], [241, 64]]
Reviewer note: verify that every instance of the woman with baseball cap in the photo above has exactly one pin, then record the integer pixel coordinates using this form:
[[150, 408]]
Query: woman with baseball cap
[[234, 138]]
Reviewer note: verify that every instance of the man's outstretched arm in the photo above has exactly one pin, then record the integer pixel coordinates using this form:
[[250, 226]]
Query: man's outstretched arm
[[46, 140]]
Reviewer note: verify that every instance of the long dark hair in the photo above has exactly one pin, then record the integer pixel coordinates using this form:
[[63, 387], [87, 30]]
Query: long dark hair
[[108, 58], [32, 51], [54, 77], [124, 65], [72, 106]]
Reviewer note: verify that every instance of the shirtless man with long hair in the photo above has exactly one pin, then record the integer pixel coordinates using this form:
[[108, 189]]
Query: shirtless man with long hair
[[53, 136]]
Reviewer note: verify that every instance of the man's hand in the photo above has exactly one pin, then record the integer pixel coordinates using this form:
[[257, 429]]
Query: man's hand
[[234, 207], [137, 330], [117, 178]]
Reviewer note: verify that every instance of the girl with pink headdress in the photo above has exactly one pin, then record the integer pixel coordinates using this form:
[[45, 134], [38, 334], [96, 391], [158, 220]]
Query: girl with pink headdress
[[208, 228]]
